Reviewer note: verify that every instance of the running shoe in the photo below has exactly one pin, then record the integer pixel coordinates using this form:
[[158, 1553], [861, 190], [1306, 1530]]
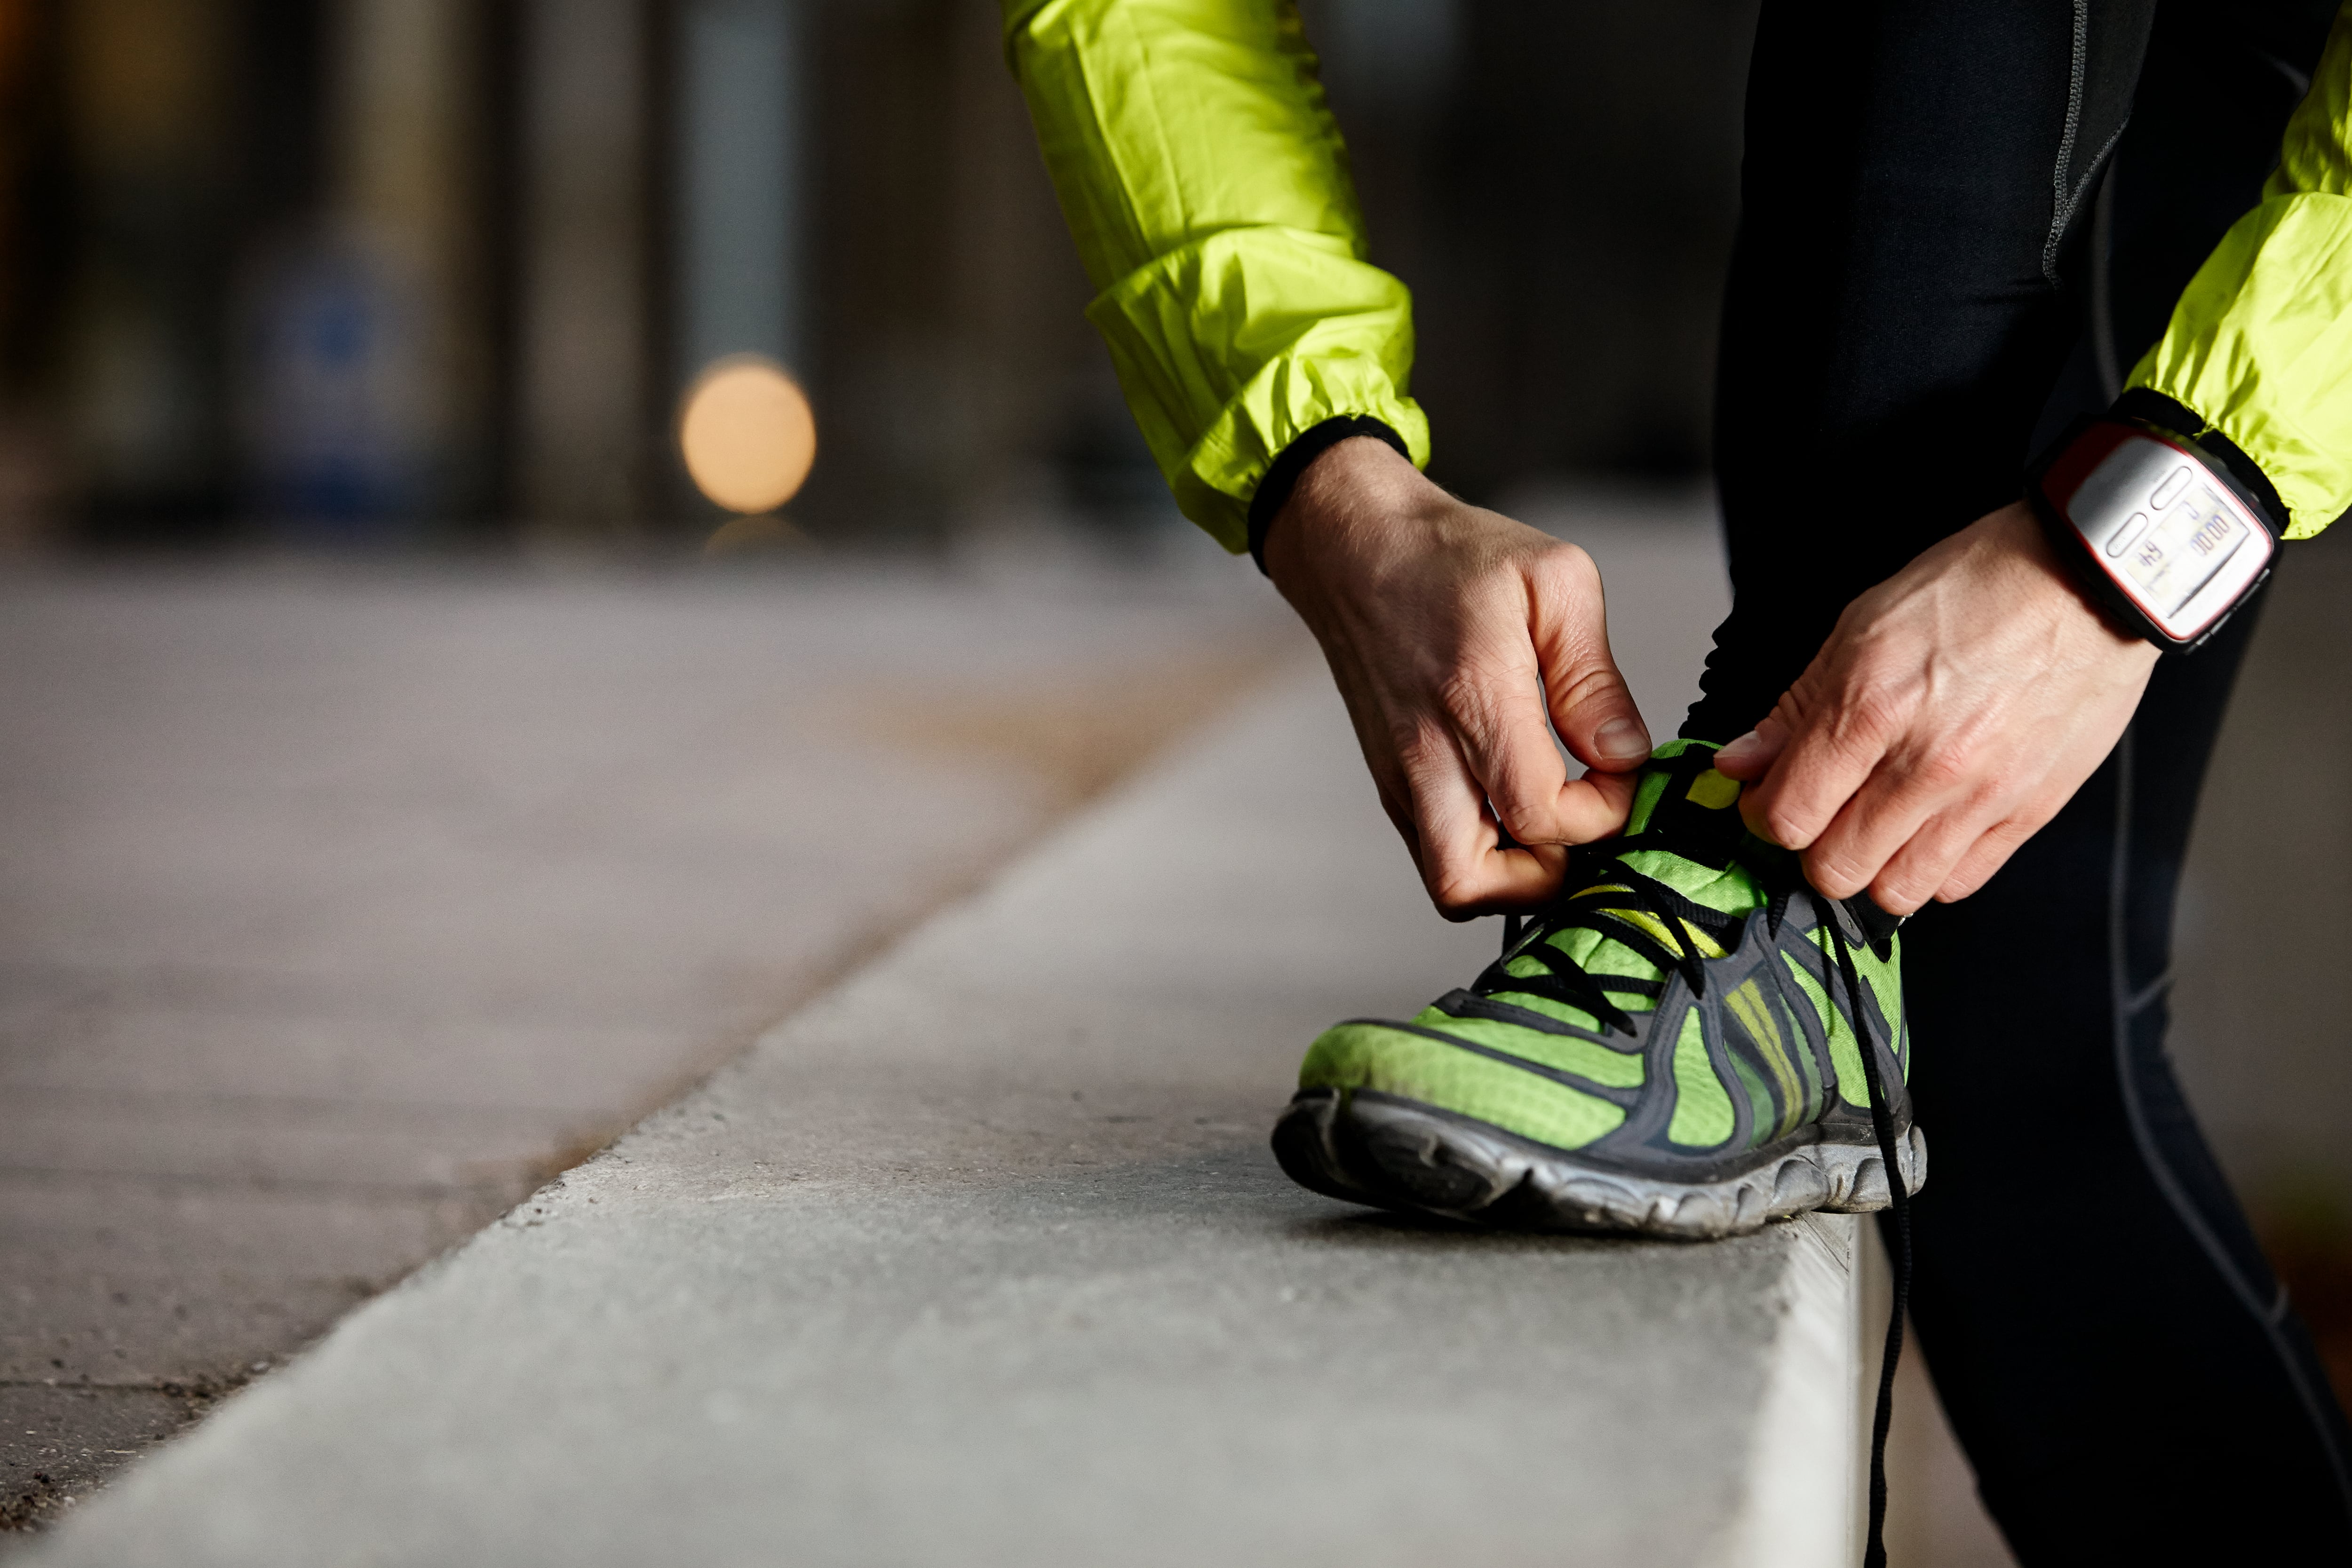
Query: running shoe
[[1676, 1047]]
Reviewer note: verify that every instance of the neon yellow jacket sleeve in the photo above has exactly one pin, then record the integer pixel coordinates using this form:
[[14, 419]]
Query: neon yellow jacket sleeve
[[2260, 346], [1203, 178]]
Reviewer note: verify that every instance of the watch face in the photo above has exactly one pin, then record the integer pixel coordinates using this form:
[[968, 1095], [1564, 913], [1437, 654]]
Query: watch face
[[2174, 554], [2172, 536]]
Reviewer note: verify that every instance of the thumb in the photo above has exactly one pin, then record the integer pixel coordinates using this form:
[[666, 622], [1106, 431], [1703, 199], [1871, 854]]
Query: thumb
[[1751, 757], [1590, 704], [1748, 759]]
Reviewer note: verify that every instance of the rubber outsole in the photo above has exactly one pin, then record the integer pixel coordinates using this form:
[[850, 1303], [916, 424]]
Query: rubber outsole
[[1397, 1153]]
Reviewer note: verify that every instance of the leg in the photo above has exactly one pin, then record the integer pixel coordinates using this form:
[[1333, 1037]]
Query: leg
[[1892, 327], [2112, 1349], [2134, 1386]]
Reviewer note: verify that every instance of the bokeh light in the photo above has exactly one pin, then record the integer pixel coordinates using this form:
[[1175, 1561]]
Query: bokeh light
[[747, 433]]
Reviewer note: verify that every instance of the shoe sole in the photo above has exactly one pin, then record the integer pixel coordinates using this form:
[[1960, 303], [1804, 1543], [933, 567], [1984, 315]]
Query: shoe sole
[[1397, 1153]]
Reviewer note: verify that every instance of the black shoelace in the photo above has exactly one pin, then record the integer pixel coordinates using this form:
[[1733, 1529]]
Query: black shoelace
[[1614, 890], [1882, 1126], [1611, 885]]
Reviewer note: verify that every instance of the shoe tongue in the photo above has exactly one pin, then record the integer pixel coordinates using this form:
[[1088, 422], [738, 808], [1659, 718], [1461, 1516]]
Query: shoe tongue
[[1682, 798], [1685, 830], [1683, 807]]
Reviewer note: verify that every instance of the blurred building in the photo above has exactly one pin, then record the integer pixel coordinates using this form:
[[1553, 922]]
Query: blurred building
[[432, 271]]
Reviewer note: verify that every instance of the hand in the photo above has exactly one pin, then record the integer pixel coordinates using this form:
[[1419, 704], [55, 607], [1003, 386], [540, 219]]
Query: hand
[[1957, 705], [1453, 631]]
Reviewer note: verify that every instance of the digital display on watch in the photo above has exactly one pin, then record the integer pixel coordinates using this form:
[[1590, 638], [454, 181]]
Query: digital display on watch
[[2189, 541], [2157, 533]]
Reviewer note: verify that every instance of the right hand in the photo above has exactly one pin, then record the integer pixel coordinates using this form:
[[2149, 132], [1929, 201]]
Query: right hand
[[1452, 632]]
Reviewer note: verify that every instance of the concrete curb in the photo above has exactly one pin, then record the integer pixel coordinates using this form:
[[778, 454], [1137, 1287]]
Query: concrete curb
[[982, 1260]]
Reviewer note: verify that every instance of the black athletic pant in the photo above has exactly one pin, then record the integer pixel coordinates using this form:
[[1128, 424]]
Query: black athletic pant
[[1907, 306]]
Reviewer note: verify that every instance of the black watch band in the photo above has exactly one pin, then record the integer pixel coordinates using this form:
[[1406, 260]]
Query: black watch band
[[2157, 530]]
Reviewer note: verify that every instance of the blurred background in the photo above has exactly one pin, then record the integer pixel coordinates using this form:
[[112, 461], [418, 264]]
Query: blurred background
[[389, 815], [403, 273]]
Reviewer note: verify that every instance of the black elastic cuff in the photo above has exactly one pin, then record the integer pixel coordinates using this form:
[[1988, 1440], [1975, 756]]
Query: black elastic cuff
[[2141, 403], [1283, 477]]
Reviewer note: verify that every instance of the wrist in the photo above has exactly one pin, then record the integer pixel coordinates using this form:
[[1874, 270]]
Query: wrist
[[1290, 464], [1352, 491], [2055, 586], [2154, 529], [2073, 618]]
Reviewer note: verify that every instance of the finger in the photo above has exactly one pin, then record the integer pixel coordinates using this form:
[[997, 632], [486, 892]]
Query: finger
[[1378, 743], [1466, 864], [1819, 770], [1589, 704], [1511, 757], [1751, 756], [1895, 808], [1418, 784], [1925, 862], [1983, 860], [1960, 848], [1498, 716], [1596, 806], [1398, 804]]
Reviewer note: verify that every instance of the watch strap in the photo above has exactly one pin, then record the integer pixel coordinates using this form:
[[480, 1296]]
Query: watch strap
[[2121, 531]]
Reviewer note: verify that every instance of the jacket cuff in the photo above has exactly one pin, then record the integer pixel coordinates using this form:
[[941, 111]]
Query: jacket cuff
[[1282, 474], [2168, 413]]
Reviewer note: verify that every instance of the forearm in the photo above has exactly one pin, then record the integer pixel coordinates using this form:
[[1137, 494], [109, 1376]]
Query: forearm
[[1204, 182], [2257, 347]]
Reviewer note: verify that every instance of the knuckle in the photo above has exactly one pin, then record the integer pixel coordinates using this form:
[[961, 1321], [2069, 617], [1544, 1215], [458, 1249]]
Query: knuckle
[[1455, 893], [1943, 770], [1422, 752], [1800, 704], [1787, 827], [1873, 710], [1591, 682], [1562, 565], [1516, 808], [2005, 836], [1466, 692], [1907, 886], [1834, 873]]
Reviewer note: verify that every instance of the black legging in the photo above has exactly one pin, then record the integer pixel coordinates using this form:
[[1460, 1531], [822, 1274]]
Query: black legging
[[1906, 309]]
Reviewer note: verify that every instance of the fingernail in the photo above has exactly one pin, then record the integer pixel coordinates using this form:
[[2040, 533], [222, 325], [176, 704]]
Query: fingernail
[[1621, 739], [1745, 744]]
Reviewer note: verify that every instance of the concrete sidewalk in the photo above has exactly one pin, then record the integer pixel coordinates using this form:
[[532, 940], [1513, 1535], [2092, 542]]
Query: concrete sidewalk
[[343, 907], [982, 1260]]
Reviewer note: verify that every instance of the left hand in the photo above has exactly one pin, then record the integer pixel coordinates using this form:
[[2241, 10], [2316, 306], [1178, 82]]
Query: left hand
[[1956, 708]]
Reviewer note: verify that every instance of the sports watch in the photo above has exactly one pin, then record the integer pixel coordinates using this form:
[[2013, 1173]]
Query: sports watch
[[2157, 530]]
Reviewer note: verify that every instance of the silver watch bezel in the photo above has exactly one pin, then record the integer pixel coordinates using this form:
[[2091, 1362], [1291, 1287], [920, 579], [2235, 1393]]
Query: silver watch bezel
[[2170, 532]]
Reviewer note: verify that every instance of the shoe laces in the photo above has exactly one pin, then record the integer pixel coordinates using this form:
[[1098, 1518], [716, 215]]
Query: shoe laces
[[1665, 927], [1671, 931], [1881, 1127]]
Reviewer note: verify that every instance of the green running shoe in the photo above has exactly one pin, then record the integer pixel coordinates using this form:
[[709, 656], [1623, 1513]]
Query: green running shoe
[[1674, 1047]]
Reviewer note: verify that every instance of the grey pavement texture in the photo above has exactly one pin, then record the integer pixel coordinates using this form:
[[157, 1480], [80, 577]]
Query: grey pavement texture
[[981, 1259], [340, 907], [994, 696], [162, 1024]]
